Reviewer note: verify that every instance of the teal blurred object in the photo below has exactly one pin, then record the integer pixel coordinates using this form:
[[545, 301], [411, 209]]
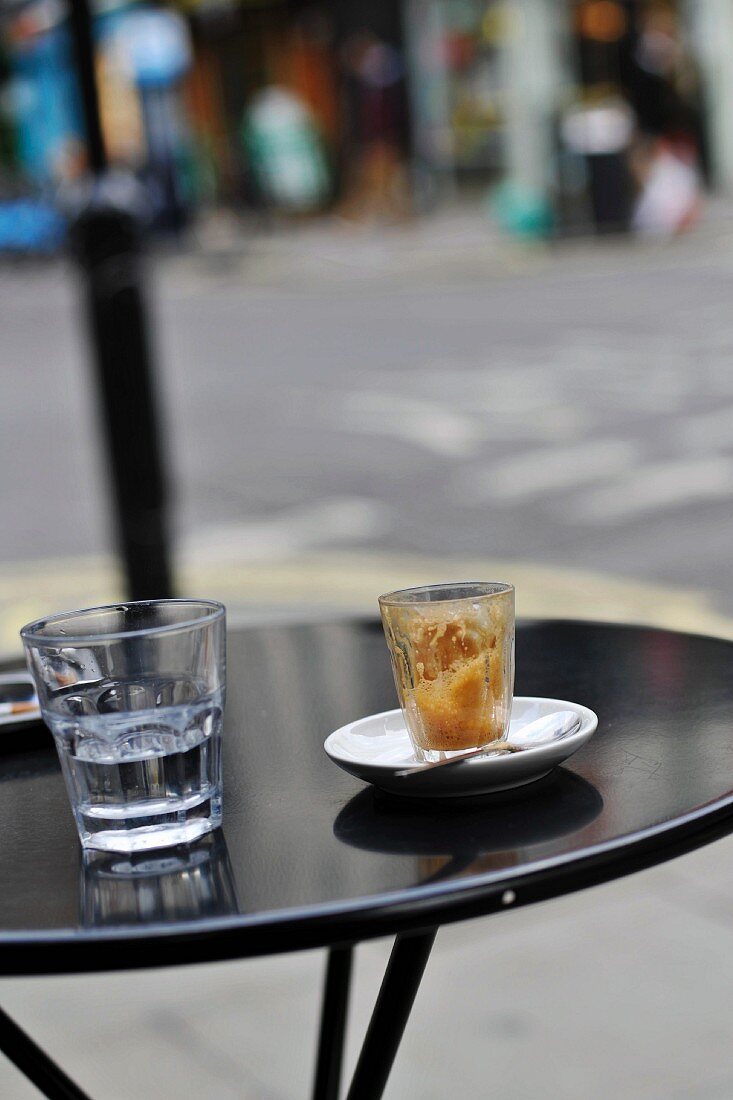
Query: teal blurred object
[[521, 210], [284, 151]]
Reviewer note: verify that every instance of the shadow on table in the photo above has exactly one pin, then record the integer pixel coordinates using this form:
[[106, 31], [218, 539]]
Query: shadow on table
[[189, 882], [479, 834]]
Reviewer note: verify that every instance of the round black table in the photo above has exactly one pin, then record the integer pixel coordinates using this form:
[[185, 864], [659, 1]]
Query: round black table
[[309, 856]]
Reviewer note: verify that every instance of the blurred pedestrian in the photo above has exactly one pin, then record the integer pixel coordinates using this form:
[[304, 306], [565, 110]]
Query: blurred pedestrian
[[670, 197], [377, 187], [669, 157]]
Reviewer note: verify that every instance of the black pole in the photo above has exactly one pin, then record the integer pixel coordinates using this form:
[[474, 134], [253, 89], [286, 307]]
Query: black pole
[[396, 996], [107, 241], [35, 1064], [333, 1024], [82, 36]]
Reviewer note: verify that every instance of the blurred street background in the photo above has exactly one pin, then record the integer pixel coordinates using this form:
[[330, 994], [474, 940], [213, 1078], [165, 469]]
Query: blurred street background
[[438, 289]]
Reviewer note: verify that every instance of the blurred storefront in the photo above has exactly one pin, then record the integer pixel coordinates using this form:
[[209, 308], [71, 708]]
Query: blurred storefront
[[565, 102], [143, 54], [339, 64], [241, 50], [569, 110], [485, 76]]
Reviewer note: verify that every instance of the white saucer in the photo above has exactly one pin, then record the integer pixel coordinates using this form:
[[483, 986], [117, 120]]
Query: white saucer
[[376, 747]]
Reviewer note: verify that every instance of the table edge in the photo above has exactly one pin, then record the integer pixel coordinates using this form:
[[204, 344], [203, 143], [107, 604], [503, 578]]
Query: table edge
[[370, 917]]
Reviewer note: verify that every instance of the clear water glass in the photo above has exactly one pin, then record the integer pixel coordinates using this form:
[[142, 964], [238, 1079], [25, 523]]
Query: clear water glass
[[134, 697]]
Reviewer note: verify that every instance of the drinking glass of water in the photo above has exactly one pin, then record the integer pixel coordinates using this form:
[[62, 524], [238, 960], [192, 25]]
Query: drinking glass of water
[[134, 696]]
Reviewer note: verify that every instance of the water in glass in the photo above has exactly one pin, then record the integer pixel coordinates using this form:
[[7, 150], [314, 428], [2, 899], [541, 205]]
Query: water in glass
[[142, 758]]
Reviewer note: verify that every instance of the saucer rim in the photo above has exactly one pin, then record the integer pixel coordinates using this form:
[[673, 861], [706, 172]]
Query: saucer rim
[[588, 726]]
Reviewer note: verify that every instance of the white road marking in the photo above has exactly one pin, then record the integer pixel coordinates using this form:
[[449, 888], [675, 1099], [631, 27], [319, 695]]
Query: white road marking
[[708, 431], [548, 470], [561, 423], [291, 532], [413, 420], [503, 403], [659, 486]]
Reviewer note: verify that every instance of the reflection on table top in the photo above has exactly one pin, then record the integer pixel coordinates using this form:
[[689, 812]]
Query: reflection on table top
[[308, 855]]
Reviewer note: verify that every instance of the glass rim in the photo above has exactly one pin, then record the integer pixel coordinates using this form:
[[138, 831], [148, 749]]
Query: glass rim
[[404, 597], [31, 633]]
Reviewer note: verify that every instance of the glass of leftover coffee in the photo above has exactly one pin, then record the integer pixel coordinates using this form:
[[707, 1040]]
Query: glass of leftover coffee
[[452, 649]]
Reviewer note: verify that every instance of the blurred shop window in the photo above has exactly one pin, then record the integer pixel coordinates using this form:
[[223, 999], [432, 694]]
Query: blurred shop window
[[309, 70], [602, 29], [148, 56], [457, 73], [120, 109], [601, 21]]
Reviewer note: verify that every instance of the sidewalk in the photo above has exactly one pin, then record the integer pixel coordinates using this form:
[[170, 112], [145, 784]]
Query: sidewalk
[[448, 243], [458, 242]]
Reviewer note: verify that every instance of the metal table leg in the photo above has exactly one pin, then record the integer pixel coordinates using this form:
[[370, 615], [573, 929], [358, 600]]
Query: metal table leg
[[333, 1024], [37, 1066], [396, 996]]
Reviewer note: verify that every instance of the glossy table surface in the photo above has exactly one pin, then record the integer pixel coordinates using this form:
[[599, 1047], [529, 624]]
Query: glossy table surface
[[309, 856]]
